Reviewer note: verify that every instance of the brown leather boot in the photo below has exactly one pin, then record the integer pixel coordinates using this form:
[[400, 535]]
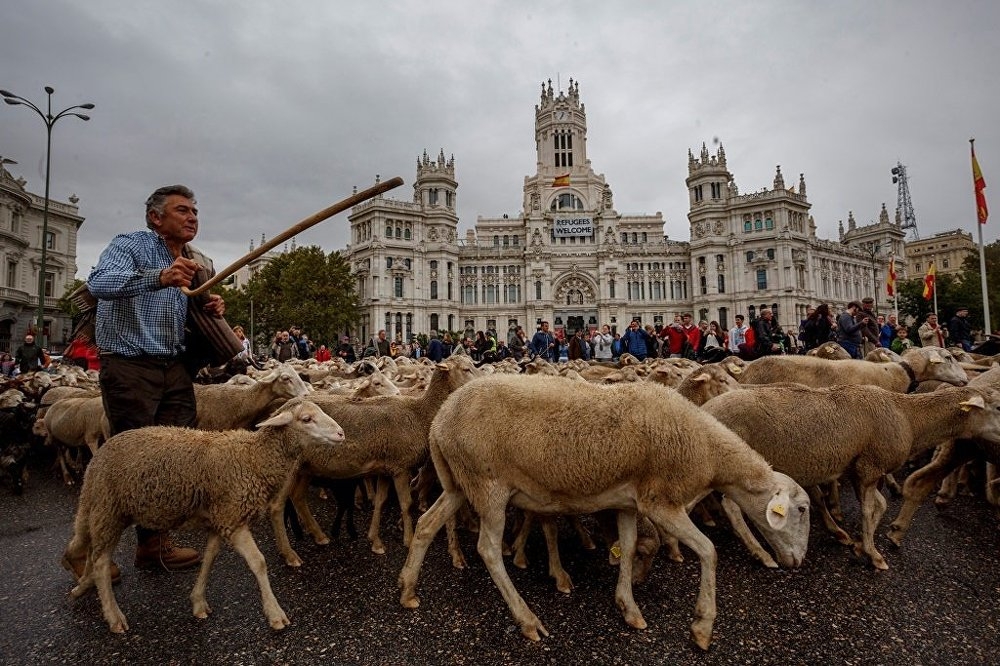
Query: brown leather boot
[[76, 566], [159, 551]]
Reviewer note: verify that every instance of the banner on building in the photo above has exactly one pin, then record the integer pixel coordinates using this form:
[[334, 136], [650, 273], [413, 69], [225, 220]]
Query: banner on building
[[572, 226]]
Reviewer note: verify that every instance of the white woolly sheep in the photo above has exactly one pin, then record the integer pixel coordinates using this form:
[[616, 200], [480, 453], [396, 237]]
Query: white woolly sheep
[[386, 435], [230, 407], [164, 477], [818, 435], [629, 447], [918, 365], [949, 456], [704, 384], [75, 422]]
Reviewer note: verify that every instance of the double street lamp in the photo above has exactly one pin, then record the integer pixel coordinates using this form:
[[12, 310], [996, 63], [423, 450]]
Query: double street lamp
[[49, 120]]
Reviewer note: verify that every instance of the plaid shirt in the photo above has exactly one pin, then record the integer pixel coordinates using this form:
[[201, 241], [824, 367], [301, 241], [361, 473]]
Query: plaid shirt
[[135, 315]]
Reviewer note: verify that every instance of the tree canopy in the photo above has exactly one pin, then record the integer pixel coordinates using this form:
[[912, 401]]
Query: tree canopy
[[303, 287]]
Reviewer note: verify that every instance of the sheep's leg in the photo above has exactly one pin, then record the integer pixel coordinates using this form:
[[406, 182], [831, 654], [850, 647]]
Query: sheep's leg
[[381, 495], [277, 511], [920, 484], [872, 509], [520, 558], [816, 495], [454, 549], [675, 520], [67, 476], [892, 485], [551, 530], [832, 502], [402, 483], [949, 487], [491, 521], [627, 535], [199, 606], [109, 604], [735, 515], [586, 540], [428, 525], [992, 488], [243, 542], [300, 500]]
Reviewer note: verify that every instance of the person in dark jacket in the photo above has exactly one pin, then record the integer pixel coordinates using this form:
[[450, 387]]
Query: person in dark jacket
[[849, 329], [636, 341], [543, 344], [766, 341], [435, 349], [29, 355], [959, 329], [817, 328]]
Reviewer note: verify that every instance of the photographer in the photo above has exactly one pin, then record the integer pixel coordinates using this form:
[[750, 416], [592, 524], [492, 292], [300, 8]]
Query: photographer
[[849, 329]]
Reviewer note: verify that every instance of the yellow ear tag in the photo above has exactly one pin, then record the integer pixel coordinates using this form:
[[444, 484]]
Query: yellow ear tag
[[779, 509], [966, 408], [616, 550]]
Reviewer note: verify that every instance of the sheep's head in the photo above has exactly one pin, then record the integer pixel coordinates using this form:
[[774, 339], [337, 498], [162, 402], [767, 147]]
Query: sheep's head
[[935, 363], [781, 513], [306, 423], [285, 382]]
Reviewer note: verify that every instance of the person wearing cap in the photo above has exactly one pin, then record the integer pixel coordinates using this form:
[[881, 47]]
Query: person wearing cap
[[849, 329], [870, 331], [959, 329], [345, 350], [931, 333]]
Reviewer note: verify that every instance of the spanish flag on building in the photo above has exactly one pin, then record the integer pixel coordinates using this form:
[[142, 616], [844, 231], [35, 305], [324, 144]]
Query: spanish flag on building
[[561, 181], [929, 282], [890, 278], [979, 185]]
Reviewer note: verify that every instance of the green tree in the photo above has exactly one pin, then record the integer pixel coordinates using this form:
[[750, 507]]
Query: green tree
[[303, 287], [65, 304]]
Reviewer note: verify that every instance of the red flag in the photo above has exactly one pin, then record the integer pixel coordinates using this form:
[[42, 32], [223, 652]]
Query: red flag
[[929, 282], [979, 185], [890, 278], [561, 181]]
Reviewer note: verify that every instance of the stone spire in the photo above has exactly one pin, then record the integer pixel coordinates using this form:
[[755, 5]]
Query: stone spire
[[802, 183], [883, 216], [851, 224], [779, 180]]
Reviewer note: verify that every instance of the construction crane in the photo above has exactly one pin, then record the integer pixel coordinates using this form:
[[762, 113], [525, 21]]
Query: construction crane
[[904, 205]]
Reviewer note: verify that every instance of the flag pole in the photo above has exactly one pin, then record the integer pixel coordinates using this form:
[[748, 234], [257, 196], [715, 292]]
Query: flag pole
[[987, 324]]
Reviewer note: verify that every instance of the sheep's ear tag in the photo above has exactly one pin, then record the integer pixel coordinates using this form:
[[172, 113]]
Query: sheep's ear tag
[[779, 509], [735, 369], [975, 401], [616, 550]]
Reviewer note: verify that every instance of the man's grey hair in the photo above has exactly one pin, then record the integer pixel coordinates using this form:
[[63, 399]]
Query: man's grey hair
[[158, 199]]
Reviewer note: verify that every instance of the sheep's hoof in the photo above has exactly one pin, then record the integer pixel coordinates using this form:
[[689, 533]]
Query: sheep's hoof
[[458, 560], [770, 563], [635, 620], [520, 561], [880, 563], [941, 502], [412, 601], [532, 629], [702, 640], [279, 622], [79, 591], [322, 540], [895, 535], [293, 560], [564, 583], [201, 610], [119, 626], [844, 538]]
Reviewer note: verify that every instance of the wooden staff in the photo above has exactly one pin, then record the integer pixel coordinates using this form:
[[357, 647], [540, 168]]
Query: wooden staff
[[313, 219]]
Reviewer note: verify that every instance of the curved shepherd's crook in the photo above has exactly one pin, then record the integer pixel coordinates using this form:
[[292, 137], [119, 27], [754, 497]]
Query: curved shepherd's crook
[[315, 218]]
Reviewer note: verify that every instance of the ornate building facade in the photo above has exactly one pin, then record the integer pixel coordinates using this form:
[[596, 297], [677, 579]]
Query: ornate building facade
[[569, 257], [21, 258]]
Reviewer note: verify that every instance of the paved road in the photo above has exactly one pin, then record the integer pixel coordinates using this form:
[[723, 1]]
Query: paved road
[[938, 604]]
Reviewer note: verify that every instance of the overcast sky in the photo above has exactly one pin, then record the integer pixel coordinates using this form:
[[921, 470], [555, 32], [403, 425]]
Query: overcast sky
[[273, 110]]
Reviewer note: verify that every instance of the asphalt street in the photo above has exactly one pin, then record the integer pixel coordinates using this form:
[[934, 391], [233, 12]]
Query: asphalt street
[[938, 604]]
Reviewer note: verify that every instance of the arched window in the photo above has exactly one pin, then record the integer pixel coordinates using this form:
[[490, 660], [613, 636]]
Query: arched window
[[566, 201], [538, 290], [434, 322], [749, 256], [388, 230], [399, 232], [434, 290], [406, 233], [758, 225]]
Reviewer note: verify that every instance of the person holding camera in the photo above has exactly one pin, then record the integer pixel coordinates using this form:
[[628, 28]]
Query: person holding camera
[[849, 329]]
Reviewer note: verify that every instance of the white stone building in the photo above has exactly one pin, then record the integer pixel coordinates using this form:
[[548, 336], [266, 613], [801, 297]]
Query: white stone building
[[571, 258], [21, 258]]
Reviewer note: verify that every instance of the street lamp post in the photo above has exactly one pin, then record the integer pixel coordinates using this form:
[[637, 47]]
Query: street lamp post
[[49, 120], [873, 253]]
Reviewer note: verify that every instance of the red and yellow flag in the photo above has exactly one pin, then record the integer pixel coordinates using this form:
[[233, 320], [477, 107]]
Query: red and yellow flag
[[561, 181], [890, 278], [979, 185], [929, 282]]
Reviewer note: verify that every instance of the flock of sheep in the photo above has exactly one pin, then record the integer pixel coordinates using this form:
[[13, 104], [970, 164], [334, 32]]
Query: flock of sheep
[[641, 445]]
